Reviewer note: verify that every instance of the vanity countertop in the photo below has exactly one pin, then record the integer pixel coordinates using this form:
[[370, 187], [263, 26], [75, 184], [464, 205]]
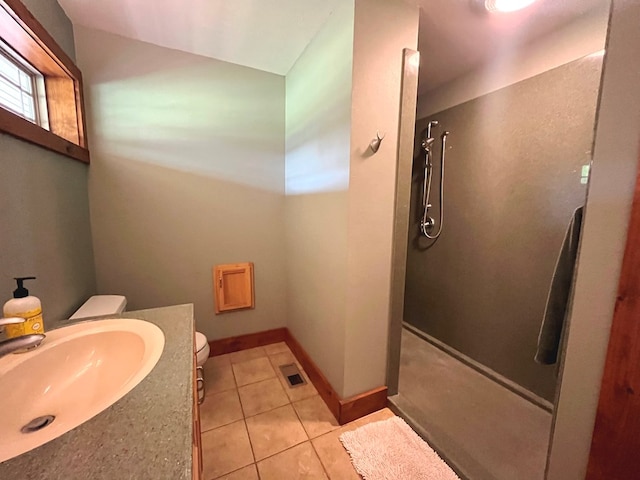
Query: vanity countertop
[[147, 434]]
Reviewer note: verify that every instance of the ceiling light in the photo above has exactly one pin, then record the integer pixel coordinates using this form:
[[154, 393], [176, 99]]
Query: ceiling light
[[506, 5]]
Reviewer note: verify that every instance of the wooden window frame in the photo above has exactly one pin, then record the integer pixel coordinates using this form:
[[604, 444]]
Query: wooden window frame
[[63, 85]]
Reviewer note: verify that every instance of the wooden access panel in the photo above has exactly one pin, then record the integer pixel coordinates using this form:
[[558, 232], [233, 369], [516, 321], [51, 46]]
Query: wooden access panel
[[233, 287]]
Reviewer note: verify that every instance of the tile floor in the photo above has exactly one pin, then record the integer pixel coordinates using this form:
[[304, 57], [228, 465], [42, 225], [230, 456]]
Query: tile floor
[[255, 427]]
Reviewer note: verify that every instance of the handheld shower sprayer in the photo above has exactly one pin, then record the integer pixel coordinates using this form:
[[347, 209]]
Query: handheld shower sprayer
[[427, 223], [428, 139], [426, 143]]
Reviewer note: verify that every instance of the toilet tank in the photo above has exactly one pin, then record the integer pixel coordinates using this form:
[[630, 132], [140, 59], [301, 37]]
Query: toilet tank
[[100, 306]]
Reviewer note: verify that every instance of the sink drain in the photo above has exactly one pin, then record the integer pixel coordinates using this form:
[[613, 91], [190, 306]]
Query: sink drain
[[38, 424]]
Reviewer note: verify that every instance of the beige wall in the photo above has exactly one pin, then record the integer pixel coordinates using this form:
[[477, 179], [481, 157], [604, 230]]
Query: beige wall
[[581, 37], [187, 173], [606, 220], [377, 72], [317, 178], [340, 198], [44, 211], [52, 17]]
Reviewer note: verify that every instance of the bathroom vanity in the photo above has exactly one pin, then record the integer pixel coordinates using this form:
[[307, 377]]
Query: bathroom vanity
[[152, 432]]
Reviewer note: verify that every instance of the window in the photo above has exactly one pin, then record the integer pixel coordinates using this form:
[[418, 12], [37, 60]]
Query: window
[[40, 87], [22, 89]]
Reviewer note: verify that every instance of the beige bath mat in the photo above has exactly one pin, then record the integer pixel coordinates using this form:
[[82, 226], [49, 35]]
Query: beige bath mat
[[391, 450]]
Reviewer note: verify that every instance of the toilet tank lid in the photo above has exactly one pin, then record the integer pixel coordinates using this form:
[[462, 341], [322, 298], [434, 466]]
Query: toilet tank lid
[[100, 306], [201, 341]]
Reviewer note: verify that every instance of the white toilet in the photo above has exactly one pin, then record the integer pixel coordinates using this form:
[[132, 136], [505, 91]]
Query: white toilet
[[202, 349], [105, 306], [100, 306]]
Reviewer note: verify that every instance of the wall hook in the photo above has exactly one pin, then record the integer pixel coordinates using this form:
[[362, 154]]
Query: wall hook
[[375, 143]]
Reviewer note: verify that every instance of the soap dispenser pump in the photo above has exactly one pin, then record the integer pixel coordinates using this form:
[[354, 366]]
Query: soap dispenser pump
[[24, 306]]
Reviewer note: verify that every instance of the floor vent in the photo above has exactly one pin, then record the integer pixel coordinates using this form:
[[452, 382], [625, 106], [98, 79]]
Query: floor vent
[[292, 373]]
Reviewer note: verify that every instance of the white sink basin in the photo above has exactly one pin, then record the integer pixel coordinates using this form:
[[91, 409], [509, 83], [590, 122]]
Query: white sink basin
[[77, 372]]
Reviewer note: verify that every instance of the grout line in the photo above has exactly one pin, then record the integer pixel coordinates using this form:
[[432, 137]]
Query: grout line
[[290, 402], [237, 470], [241, 406], [288, 448], [219, 426], [244, 417], [326, 472], [265, 411], [219, 391], [277, 375], [300, 420], [270, 410], [253, 383], [246, 350], [224, 424], [235, 381], [282, 451], [288, 350], [305, 429], [254, 458], [258, 358], [253, 454]]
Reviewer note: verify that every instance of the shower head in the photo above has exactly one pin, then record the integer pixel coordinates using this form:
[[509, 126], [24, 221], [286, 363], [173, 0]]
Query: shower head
[[430, 125]]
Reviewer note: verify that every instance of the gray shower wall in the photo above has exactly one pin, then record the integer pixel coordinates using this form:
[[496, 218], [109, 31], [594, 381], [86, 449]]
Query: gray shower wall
[[512, 182]]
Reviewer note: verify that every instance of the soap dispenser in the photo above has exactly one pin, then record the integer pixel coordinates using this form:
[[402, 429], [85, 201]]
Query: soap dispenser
[[24, 306]]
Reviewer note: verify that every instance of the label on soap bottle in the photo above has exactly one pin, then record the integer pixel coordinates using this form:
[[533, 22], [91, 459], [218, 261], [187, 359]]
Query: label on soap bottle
[[30, 326], [14, 330], [34, 325]]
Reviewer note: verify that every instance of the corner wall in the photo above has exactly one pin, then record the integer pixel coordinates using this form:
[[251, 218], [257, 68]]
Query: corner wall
[[45, 209], [187, 173], [340, 198], [377, 74], [318, 117]]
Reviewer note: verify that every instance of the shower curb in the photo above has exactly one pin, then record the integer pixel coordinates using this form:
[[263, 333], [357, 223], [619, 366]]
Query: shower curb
[[486, 371]]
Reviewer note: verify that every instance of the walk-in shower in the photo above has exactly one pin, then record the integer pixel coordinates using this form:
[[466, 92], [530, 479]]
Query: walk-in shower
[[474, 299], [427, 223]]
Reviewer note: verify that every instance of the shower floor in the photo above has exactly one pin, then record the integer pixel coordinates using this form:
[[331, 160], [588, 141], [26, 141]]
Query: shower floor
[[485, 431]]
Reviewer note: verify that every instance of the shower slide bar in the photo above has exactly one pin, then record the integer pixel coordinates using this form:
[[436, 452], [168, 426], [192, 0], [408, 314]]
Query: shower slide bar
[[427, 223]]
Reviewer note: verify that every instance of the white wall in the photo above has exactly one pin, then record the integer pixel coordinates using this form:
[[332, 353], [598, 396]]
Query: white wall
[[610, 194], [318, 119], [377, 73], [583, 36], [44, 210], [187, 172]]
